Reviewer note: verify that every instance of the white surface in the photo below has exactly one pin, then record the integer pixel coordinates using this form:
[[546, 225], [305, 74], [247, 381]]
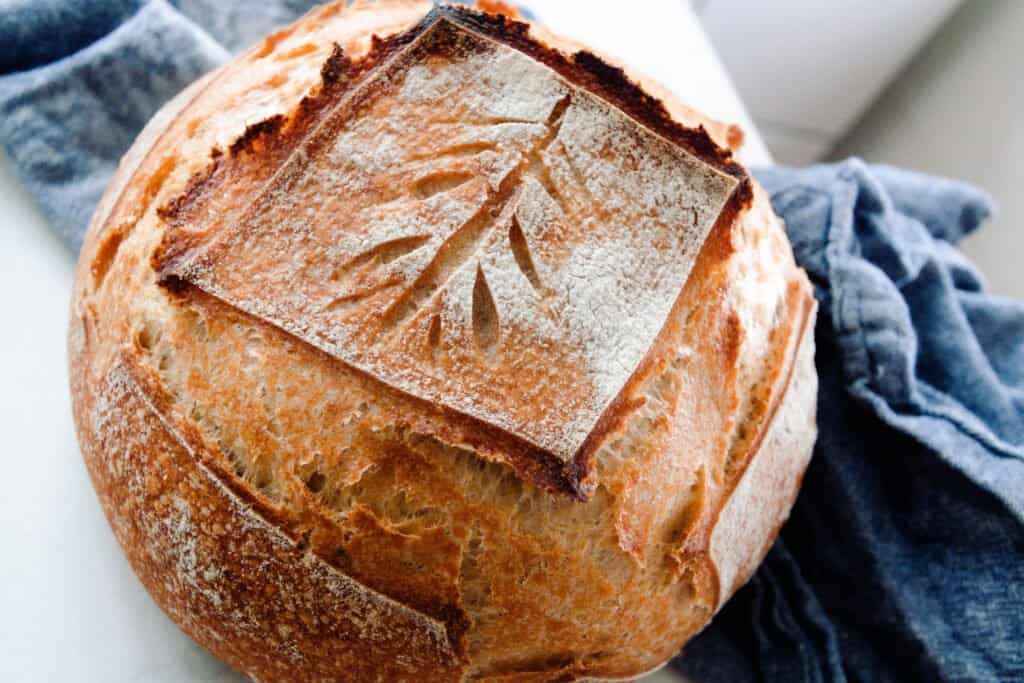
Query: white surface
[[71, 608], [808, 69], [958, 111]]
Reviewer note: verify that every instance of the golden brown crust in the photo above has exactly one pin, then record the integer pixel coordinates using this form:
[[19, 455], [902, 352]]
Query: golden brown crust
[[374, 536], [250, 594]]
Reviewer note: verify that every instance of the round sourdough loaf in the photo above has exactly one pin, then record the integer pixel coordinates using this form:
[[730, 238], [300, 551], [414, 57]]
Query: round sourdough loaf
[[542, 434]]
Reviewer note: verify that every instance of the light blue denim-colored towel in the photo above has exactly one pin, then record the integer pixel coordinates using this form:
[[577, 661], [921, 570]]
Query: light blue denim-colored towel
[[904, 556]]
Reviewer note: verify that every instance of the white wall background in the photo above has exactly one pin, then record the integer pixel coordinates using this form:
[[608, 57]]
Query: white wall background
[[958, 110], [807, 69], [934, 85]]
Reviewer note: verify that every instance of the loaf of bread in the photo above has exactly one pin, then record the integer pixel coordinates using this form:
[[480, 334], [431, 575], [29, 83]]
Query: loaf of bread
[[421, 344]]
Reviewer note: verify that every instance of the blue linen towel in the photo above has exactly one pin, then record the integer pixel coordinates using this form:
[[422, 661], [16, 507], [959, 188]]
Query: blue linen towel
[[903, 557]]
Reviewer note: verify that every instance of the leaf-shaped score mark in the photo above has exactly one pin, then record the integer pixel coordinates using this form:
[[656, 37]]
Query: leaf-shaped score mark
[[357, 270], [380, 255], [521, 253], [486, 325], [440, 182], [461, 247]]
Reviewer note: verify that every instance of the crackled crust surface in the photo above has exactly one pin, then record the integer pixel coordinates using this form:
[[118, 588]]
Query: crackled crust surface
[[304, 520]]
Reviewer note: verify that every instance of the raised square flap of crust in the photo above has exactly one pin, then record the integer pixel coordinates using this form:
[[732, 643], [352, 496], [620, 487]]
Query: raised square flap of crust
[[472, 228]]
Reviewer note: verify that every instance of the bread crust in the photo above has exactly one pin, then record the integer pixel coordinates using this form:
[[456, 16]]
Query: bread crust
[[685, 492], [269, 151]]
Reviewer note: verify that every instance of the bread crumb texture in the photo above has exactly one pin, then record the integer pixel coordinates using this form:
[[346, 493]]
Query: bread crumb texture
[[396, 360]]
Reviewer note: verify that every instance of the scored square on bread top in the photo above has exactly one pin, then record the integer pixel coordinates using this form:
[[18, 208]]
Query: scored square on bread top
[[473, 220]]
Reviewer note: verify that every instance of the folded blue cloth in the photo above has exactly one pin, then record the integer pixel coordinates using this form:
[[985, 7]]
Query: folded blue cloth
[[903, 557]]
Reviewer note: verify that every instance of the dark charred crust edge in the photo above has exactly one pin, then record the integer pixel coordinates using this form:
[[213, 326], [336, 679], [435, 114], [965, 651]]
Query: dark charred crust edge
[[251, 137], [172, 251], [334, 68], [279, 135]]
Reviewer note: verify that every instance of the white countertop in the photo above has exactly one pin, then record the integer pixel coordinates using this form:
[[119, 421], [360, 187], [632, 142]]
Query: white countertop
[[70, 607]]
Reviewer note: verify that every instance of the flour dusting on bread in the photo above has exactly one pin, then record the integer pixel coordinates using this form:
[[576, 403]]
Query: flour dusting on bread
[[415, 237]]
